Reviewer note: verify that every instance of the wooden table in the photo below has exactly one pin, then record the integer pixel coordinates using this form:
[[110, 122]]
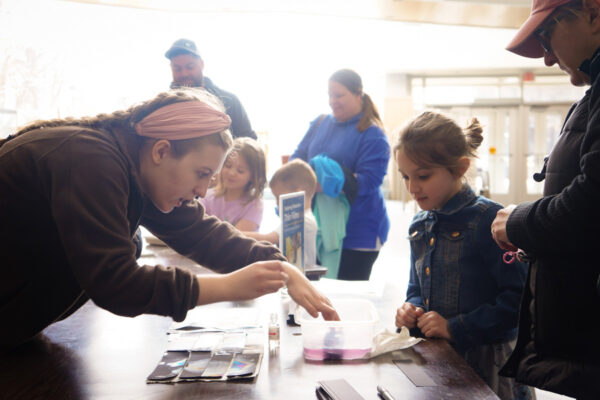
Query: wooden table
[[97, 355]]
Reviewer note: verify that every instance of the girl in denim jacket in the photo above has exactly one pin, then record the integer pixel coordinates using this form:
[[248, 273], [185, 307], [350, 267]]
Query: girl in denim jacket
[[459, 288]]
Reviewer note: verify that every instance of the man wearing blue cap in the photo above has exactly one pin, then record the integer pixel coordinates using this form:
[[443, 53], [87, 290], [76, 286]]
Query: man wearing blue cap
[[187, 67]]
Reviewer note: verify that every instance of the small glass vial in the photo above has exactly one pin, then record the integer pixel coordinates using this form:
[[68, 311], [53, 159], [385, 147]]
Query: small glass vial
[[273, 332]]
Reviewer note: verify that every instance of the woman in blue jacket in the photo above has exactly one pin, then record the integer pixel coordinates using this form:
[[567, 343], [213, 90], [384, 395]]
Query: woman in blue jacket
[[352, 135]]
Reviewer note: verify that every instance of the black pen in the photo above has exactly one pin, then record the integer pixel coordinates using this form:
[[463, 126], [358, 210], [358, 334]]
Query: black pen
[[385, 395]]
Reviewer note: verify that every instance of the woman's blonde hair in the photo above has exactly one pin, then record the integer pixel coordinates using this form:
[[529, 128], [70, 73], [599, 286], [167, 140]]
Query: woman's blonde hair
[[434, 140], [254, 156], [126, 119]]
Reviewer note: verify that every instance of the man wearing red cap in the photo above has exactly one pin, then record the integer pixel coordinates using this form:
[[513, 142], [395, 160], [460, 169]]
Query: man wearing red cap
[[558, 347]]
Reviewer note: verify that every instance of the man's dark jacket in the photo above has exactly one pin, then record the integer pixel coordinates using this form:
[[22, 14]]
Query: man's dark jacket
[[558, 346], [240, 124]]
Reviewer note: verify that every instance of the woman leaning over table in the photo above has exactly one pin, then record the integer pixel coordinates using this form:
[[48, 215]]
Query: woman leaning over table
[[353, 137], [558, 346], [73, 192]]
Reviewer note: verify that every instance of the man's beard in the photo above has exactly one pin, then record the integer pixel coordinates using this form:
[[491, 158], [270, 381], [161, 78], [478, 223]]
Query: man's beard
[[187, 83]]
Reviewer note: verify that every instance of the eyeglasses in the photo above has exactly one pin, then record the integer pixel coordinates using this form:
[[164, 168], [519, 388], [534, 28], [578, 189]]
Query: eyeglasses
[[544, 33]]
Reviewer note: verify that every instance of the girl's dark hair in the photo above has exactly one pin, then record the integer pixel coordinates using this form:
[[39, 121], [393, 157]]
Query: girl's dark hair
[[352, 81], [434, 140], [254, 156], [125, 120]]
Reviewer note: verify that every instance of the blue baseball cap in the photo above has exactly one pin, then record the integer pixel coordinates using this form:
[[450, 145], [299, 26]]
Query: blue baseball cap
[[181, 46]]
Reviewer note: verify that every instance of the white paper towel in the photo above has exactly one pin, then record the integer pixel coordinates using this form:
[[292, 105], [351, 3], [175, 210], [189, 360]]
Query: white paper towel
[[385, 341]]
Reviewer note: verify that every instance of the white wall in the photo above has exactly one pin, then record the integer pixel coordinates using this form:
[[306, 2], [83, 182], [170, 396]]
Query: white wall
[[64, 58]]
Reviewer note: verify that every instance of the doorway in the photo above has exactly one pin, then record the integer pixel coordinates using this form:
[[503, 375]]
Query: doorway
[[516, 140]]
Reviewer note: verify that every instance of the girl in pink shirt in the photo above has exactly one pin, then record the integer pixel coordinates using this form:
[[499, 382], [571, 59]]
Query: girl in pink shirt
[[237, 197]]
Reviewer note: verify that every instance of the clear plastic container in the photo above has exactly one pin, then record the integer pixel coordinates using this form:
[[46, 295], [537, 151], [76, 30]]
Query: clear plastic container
[[348, 339]]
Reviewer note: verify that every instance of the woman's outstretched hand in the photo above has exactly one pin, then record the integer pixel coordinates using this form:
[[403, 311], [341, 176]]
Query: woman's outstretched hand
[[247, 283], [264, 277], [306, 295]]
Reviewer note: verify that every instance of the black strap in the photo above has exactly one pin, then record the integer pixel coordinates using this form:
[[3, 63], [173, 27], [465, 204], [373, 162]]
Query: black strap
[[350, 184], [540, 176], [317, 123]]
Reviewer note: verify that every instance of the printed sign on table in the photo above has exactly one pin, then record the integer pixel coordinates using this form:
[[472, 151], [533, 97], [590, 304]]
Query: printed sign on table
[[291, 239]]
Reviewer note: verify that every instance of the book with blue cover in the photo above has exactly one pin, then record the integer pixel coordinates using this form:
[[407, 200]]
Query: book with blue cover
[[291, 238]]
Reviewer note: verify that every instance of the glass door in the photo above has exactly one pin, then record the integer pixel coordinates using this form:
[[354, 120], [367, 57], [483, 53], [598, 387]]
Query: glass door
[[516, 140], [493, 174], [543, 128]]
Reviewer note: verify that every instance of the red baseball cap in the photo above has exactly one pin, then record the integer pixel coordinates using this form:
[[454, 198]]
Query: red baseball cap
[[524, 43]]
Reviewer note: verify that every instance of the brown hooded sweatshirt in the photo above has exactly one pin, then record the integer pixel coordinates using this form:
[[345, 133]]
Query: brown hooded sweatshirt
[[70, 203]]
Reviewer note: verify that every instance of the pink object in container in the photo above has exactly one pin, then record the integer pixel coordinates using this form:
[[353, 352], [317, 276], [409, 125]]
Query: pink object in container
[[350, 338]]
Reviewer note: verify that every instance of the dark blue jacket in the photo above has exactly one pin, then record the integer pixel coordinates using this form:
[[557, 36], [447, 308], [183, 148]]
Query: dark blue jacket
[[457, 270]]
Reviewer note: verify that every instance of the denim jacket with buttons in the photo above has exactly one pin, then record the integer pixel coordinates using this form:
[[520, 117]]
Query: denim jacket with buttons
[[457, 270]]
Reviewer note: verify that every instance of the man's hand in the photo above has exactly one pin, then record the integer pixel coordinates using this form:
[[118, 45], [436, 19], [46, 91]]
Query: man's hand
[[499, 229]]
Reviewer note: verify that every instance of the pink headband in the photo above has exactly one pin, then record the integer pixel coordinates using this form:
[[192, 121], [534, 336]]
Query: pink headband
[[183, 120]]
